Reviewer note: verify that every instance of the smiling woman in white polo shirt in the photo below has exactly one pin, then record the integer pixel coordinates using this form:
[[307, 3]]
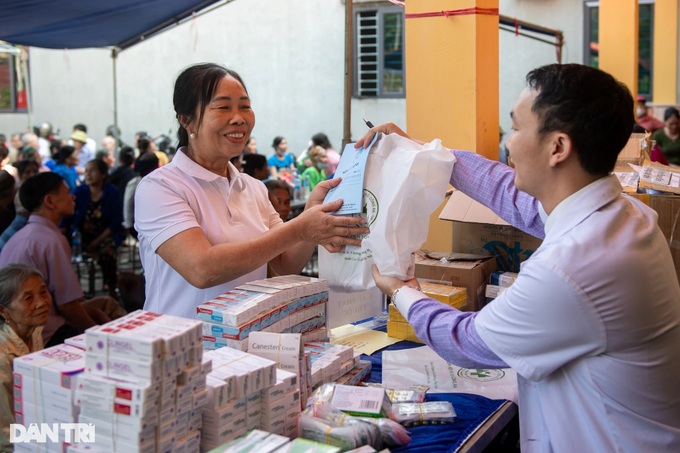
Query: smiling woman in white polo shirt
[[205, 228]]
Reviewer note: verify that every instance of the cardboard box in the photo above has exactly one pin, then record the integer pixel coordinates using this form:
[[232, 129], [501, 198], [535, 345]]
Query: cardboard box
[[668, 208], [631, 153], [479, 230], [472, 275]]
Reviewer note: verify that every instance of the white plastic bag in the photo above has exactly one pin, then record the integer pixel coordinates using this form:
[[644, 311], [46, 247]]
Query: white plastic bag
[[403, 184], [422, 365]]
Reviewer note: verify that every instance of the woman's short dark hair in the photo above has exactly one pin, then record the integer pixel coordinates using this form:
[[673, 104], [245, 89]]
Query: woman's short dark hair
[[64, 153], [670, 112], [194, 88], [12, 277], [277, 141], [589, 105], [33, 191]]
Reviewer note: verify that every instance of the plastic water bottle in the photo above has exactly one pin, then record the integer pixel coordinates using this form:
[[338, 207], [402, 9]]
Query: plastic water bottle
[[76, 247], [304, 187], [296, 186]]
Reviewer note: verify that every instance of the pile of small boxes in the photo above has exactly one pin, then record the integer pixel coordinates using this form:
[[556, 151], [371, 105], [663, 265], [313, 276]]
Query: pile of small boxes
[[286, 304], [144, 383], [499, 281], [398, 326], [43, 390], [329, 361], [246, 392]]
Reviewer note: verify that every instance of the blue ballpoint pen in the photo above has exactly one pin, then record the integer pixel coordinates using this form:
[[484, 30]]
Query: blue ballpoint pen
[[368, 123]]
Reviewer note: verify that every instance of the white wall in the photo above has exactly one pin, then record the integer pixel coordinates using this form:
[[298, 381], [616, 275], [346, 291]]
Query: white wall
[[518, 55], [291, 56]]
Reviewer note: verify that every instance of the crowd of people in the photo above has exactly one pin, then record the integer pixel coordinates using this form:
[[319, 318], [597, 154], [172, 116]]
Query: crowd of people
[[595, 366]]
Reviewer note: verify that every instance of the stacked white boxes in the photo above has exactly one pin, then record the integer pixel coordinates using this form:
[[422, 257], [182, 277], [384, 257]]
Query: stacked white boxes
[[43, 390], [329, 361], [291, 304], [235, 387], [286, 350], [144, 384]]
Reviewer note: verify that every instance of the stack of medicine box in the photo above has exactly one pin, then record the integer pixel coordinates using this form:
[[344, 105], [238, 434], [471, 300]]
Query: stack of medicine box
[[144, 383], [329, 361], [237, 387], [287, 351], [398, 326], [357, 374], [499, 281], [43, 390], [290, 303]]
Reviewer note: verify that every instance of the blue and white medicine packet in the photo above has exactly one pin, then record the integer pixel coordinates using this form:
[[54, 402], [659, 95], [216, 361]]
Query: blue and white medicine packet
[[351, 168]]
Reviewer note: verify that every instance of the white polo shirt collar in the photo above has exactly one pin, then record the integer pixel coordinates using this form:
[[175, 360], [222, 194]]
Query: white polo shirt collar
[[578, 206]]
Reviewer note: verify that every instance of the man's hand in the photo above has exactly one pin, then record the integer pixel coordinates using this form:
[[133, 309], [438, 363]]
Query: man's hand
[[388, 285], [387, 128]]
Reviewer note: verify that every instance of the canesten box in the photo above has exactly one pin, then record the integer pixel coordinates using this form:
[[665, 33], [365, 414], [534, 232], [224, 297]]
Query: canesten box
[[56, 365]]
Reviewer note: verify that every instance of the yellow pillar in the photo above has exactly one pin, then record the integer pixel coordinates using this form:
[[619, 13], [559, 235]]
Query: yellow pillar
[[452, 84], [665, 77], [618, 54]]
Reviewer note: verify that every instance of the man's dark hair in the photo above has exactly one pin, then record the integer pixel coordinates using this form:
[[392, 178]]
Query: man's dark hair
[[126, 156], [80, 127], [273, 184], [252, 162], [33, 191], [590, 106], [146, 163]]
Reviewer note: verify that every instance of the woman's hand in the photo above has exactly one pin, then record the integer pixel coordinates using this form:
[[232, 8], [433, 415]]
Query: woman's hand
[[318, 226], [387, 128], [388, 285], [319, 193]]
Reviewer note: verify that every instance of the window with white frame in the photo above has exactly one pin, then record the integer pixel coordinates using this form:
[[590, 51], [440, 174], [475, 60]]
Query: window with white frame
[[379, 52]]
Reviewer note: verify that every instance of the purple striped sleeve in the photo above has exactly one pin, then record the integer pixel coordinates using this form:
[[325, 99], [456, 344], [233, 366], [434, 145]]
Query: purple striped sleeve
[[493, 184], [451, 334]]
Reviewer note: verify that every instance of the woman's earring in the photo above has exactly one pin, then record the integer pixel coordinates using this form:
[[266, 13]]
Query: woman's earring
[[192, 136]]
